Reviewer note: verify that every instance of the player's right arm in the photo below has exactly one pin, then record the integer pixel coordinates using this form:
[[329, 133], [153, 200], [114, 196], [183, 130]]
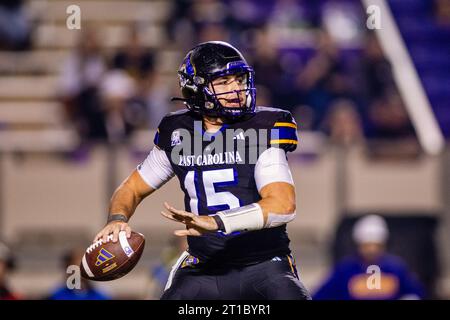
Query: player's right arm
[[150, 175], [124, 202]]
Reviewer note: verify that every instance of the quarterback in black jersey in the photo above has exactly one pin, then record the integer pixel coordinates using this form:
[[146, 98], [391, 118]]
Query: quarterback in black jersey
[[230, 159]]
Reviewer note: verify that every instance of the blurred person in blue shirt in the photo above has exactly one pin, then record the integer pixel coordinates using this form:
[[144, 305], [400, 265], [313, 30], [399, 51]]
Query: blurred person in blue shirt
[[159, 273], [86, 291], [356, 278], [15, 25]]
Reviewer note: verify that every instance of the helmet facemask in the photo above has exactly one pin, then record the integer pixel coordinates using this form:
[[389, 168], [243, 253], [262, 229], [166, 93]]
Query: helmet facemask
[[243, 95]]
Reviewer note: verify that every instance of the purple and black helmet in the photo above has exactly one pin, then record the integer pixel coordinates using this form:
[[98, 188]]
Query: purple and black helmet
[[206, 62]]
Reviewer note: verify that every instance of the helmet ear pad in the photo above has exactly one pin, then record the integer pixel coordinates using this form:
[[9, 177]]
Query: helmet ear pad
[[190, 92], [197, 94]]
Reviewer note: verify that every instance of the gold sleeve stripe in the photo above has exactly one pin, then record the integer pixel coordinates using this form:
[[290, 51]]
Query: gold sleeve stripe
[[285, 124], [280, 141], [291, 265]]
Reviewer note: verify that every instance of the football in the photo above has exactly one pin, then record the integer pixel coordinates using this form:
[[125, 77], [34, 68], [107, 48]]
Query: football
[[110, 261]]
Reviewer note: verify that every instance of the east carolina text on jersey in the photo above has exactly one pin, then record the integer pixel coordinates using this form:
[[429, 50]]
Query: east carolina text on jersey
[[229, 157]]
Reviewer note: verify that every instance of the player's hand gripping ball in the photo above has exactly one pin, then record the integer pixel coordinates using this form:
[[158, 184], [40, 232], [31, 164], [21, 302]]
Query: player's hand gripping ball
[[112, 260]]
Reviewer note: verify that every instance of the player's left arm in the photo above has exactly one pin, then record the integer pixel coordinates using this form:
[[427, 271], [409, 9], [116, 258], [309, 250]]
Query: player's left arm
[[278, 198]]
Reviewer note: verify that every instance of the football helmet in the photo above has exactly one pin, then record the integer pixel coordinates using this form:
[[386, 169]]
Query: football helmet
[[206, 62]]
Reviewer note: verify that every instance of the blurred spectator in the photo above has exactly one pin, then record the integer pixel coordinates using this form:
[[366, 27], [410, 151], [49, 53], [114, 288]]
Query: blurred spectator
[[349, 278], [116, 89], [385, 117], [266, 63], [130, 66], [160, 272], [208, 12], [323, 79], [391, 135], [15, 28], [86, 292], [375, 79], [243, 18], [179, 25], [343, 123], [6, 265], [275, 70], [293, 14], [287, 21], [212, 32], [157, 98], [442, 11], [388, 118], [79, 89], [143, 98], [305, 114], [343, 20], [134, 58], [204, 19]]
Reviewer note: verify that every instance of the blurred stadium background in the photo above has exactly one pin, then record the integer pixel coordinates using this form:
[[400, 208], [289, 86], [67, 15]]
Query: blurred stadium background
[[78, 110]]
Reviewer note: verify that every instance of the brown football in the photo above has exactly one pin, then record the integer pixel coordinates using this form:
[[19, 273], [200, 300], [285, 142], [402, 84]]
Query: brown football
[[109, 261]]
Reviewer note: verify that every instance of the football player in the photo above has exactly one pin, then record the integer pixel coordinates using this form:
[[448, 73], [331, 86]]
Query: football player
[[230, 158]]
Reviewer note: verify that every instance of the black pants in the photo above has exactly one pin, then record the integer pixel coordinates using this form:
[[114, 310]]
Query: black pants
[[274, 279]]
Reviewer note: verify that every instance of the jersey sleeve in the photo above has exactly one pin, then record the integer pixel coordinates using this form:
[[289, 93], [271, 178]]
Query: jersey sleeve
[[156, 169], [283, 133], [272, 166]]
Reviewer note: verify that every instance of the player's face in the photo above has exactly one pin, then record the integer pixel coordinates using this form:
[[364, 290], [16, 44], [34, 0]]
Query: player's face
[[227, 88], [371, 251]]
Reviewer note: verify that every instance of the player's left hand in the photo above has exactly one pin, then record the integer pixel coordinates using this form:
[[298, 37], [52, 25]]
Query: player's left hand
[[195, 225]]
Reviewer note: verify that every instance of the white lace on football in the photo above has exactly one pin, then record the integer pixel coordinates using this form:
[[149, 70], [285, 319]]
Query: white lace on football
[[97, 243]]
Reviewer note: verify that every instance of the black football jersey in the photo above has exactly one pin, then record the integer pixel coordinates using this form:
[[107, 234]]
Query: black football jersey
[[216, 172]]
